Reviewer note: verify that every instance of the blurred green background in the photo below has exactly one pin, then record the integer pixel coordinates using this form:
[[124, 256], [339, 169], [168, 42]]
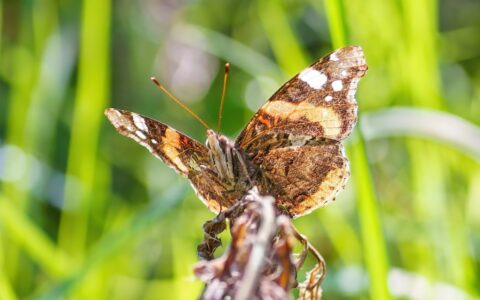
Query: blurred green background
[[88, 214]]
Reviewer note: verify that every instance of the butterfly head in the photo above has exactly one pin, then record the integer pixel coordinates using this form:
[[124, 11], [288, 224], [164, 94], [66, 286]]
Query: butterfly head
[[221, 152], [212, 137]]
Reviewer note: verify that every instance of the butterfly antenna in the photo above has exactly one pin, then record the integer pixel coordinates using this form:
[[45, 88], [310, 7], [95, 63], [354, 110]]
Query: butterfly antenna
[[175, 99], [224, 90]]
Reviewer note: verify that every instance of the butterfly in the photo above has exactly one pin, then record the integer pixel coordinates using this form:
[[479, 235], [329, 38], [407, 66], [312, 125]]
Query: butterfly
[[291, 149]]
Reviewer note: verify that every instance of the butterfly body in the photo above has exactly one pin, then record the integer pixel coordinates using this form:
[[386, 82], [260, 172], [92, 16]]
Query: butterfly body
[[228, 160], [291, 149]]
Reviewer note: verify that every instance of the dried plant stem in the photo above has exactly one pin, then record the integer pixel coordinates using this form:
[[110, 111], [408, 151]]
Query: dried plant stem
[[322, 266], [259, 251], [259, 263]]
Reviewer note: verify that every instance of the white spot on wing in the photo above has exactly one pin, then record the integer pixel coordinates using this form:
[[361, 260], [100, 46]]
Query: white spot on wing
[[313, 78], [334, 56], [146, 145], [328, 98], [139, 122], [140, 134], [337, 85], [154, 141]]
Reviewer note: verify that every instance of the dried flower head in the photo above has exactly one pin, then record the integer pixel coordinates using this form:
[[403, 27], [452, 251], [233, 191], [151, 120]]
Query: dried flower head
[[259, 264]]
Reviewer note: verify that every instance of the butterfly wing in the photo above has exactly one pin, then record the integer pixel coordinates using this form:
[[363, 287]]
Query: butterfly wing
[[185, 155], [315, 109], [304, 178], [319, 101]]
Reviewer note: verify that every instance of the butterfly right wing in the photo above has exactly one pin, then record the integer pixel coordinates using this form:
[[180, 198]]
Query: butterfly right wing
[[180, 152], [295, 137], [319, 102]]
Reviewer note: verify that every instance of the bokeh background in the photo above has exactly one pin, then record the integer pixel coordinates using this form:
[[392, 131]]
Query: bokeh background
[[88, 214]]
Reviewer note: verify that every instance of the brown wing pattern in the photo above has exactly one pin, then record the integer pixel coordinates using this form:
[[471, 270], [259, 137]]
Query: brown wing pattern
[[188, 157], [304, 178], [318, 102], [295, 136], [293, 140]]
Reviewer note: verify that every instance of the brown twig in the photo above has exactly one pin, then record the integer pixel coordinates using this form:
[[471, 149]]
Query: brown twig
[[260, 246]]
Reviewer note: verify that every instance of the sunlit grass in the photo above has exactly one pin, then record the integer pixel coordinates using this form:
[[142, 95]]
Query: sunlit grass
[[283, 42], [112, 242], [32, 240], [374, 248], [92, 95]]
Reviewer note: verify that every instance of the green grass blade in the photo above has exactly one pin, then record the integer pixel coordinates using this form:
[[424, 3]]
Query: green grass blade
[[34, 242], [431, 170], [113, 241], [1, 33], [374, 248], [282, 39], [433, 125], [6, 289], [342, 234], [91, 98], [374, 245], [333, 11]]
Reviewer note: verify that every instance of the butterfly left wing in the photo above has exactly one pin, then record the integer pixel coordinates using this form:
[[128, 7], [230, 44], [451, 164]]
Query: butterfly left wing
[[185, 155], [295, 136]]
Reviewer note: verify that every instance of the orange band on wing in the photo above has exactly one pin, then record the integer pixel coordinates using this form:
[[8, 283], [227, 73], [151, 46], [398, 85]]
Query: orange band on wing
[[171, 144]]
